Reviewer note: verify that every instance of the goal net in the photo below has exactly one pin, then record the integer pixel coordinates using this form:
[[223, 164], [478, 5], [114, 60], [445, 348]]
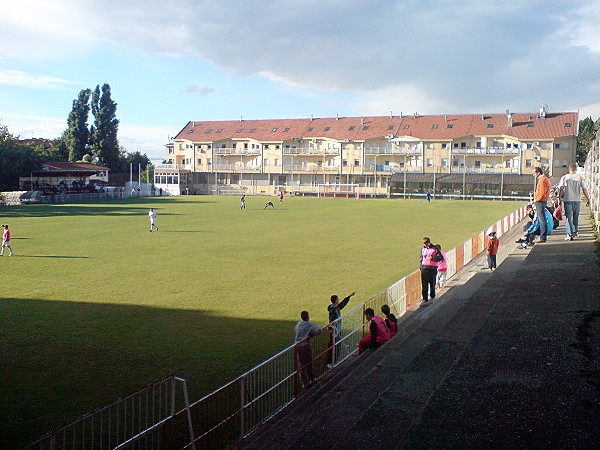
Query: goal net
[[338, 190]]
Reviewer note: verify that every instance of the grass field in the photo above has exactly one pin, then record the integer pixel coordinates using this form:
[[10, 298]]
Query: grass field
[[93, 306]]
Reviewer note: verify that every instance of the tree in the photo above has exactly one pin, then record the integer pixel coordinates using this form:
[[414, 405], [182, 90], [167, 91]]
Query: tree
[[76, 135], [16, 159], [587, 133], [104, 142]]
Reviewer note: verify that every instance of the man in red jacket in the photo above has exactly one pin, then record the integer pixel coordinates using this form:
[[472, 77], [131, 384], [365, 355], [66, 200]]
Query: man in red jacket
[[492, 249]]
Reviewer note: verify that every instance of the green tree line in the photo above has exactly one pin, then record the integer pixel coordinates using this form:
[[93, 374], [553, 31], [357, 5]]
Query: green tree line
[[97, 143]]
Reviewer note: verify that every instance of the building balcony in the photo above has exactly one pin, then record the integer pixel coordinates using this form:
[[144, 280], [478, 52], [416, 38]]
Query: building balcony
[[310, 151], [236, 151], [492, 151], [379, 168], [235, 168], [171, 167], [492, 170], [391, 151]]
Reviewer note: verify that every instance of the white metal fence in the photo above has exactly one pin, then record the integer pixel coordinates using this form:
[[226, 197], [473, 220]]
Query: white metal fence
[[592, 179], [133, 421]]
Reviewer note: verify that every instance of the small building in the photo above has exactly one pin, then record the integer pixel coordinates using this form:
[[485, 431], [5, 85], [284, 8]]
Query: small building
[[65, 177]]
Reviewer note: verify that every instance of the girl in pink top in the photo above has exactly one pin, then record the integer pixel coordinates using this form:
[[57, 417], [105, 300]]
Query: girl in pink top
[[442, 269]]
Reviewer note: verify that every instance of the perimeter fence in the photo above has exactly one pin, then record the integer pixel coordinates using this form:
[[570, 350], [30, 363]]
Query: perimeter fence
[[224, 417], [592, 179]]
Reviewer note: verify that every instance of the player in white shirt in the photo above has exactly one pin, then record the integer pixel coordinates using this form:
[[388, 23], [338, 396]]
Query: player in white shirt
[[152, 217]]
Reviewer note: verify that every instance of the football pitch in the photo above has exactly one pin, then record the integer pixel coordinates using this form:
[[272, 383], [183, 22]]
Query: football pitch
[[93, 306]]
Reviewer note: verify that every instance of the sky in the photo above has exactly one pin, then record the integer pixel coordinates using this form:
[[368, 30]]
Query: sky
[[171, 62]]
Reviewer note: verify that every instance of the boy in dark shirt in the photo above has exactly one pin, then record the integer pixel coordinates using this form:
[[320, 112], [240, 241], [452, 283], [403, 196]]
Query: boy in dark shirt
[[335, 329]]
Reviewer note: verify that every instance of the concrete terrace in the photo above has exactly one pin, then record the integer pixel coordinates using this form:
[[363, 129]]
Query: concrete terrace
[[508, 359]]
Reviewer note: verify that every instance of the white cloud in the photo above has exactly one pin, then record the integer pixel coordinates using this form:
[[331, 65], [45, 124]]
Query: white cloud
[[28, 80], [592, 111], [468, 56]]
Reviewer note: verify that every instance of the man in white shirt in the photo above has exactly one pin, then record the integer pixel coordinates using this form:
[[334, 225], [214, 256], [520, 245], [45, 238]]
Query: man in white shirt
[[152, 217], [304, 331], [571, 186]]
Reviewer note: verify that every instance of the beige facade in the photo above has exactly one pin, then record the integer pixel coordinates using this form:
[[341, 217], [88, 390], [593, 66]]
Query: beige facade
[[263, 156]]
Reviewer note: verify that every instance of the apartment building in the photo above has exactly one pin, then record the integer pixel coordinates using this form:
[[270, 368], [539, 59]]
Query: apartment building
[[298, 155]]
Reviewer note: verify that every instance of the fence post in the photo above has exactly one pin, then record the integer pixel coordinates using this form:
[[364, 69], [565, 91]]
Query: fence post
[[189, 413], [242, 405]]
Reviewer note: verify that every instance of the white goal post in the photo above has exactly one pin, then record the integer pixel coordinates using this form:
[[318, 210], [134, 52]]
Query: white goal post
[[338, 190]]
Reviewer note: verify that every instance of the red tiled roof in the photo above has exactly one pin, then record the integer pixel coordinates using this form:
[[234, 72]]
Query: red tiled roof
[[74, 167], [436, 127]]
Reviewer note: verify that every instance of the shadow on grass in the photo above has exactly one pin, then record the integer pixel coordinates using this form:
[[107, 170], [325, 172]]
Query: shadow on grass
[[115, 207], [63, 359], [51, 256]]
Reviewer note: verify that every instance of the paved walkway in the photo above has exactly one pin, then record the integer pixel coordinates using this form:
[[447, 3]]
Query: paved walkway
[[508, 359]]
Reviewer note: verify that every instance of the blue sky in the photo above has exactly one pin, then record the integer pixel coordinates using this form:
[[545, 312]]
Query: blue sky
[[168, 63]]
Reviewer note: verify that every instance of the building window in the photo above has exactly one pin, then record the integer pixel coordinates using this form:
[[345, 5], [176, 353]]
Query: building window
[[477, 163], [478, 144], [391, 127], [463, 145], [356, 163], [450, 125], [277, 161], [273, 130], [530, 145], [528, 163], [429, 162], [444, 145], [557, 146], [239, 130], [490, 125], [351, 128], [507, 163], [530, 125], [456, 145], [455, 163], [252, 130], [208, 131], [406, 127], [309, 129], [567, 124], [444, 162], [219, 130], [344, 163], [434, 126], [365, 128], [266, 162], [430, 146], [199, 162], [285, 130], [326, 128]]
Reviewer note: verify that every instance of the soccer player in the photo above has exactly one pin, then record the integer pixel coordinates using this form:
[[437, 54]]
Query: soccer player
[[280, 196], [243, 200], [6, 241], [269, 203], [152, 217]]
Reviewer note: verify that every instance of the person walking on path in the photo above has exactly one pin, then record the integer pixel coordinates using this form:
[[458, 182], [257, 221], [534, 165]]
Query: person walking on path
[[335, 312], [428, 270], [571, 185], [378, 332], [304, 331], [492, 250], [542, 194], [152, 217], [6, 241]]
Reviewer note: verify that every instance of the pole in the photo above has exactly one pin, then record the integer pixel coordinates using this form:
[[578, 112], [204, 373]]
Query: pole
[[502, 179]]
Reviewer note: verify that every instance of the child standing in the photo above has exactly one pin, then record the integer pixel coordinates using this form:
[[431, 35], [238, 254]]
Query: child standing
[[492, 250], [442, 269]]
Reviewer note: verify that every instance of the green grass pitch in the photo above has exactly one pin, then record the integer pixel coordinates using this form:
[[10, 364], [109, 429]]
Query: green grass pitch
[[93, 306]]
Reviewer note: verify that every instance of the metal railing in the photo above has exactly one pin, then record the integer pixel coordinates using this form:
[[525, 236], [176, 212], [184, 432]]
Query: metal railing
[[592, 179], [485, 151], [392, 151], [135, 419]]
